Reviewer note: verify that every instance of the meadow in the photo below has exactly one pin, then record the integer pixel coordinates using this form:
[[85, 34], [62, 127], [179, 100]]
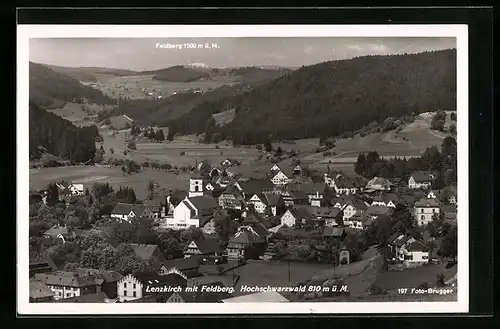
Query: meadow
[[131, 86]]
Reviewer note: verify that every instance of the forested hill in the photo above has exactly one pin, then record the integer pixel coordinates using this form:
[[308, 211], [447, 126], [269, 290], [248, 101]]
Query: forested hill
[[59, 137], [331, 98], [51, 89]]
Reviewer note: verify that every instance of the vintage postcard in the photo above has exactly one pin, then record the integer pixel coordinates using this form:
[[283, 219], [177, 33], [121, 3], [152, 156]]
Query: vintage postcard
[[281, 169]]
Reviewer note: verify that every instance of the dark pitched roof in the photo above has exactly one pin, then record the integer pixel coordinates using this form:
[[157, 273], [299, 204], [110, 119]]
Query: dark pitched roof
[[39, 290], [303, 212], [427, 203], [333, 231], [207, 246], [357, 204], [245, 235], [328, 212], [144, 251], [154, 279], [386, 197], [349, 182], [98, 297], [417, 246], [378, 181], [422, 176], [344, 199], [378, 210], [256, 185], [156, 203], [63, 278], [123, 208], [182, 264], [271, 199], [311, 188], [203, 202]]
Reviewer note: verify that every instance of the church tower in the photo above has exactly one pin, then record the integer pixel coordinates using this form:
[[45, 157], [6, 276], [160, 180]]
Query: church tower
[[195, 186]]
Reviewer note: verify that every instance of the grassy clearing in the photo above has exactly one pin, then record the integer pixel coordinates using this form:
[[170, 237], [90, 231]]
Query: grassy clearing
[[74, 112], [131, 86]]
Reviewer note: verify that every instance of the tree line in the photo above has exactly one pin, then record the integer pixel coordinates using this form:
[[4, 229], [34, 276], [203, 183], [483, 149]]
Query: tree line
[[309, 102], [52, 134], [443, 162], [50, 89]]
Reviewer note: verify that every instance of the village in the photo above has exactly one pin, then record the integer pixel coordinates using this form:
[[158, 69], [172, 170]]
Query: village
[[232, 227]]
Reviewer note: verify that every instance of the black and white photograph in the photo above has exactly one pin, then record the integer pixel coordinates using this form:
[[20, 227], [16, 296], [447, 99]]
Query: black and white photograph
[[276, 168]]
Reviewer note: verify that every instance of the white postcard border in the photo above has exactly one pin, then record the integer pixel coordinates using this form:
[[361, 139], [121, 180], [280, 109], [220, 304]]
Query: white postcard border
[[162, 32]]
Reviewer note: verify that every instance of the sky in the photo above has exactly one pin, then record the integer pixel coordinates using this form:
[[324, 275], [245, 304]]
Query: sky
[[154, 53]]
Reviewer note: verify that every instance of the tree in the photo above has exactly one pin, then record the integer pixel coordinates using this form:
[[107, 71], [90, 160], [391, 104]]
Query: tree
[[259, 147], [279, 152], [151, 188], [111, 150], [453, 129], [440, 280], [52, 195], [449, 147], [438, 121], [159, 136], [268, 146], [449, 245], [131, 145], [99, 156], [453, 116]]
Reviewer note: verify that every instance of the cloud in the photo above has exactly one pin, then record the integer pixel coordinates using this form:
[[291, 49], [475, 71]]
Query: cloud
[[354, 47], [379, 48], [309, 50]]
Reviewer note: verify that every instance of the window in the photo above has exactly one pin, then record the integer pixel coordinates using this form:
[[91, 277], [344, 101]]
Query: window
[[197, 188], [68, 294], [422, 217], [125, 285], [134, 285], [124, 292], [422, 210], [134, 294], [433, 210], [425, 257]]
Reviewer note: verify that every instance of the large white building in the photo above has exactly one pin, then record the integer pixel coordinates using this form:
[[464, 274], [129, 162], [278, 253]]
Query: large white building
[[193, 211], [425, 209]]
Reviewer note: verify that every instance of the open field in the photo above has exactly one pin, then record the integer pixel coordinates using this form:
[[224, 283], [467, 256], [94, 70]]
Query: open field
[[132, 86], [89, 175], [75, 113]]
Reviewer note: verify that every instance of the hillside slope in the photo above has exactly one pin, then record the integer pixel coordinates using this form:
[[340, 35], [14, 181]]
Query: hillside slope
[[59, 137], [331, 98], [50, 89], [89, 73]]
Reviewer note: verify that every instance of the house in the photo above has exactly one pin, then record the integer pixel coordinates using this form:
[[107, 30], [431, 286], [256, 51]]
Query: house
[[109, 280], [297, 170], [193, 211], [344, 185], [70, 188], [267, 202], [353, 209], [150, 253], [215, 172], [436, 194], [41, 266], [281, 177], [359, 221], [98, 297], [291, 198], [378, 184], [245, 243], [231, 198], [61, 233], [253, 186], [40, 293], [68, 284], [334, 232], [315, 192], [133, 287], [331, 216], [425, 209], [414, 254], [188, 267], [195, 186], [377, 211], [157, 205], [207, 248], [275, 167], [209, 186], [297, 214], [259, 297], [386, 200], [127, 211], [421, 179], [226, 163]]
